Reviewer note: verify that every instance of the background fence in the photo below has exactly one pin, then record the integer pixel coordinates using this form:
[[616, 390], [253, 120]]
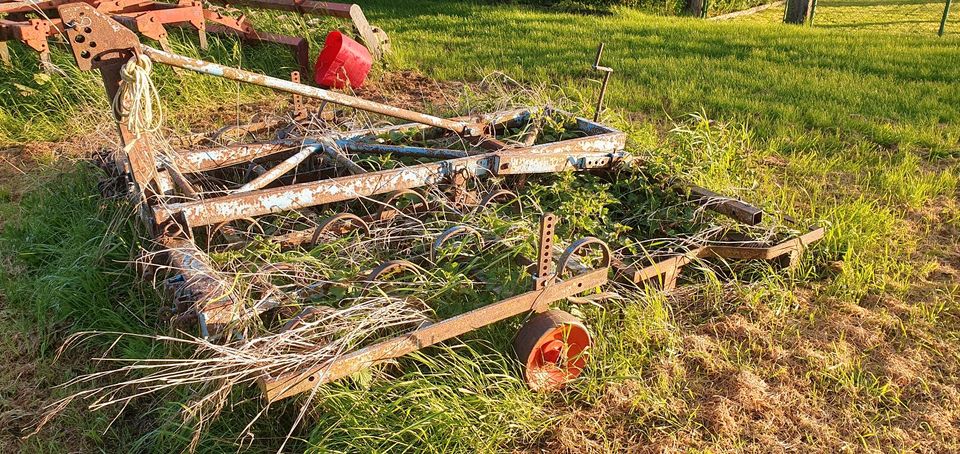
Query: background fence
[[894, 16]]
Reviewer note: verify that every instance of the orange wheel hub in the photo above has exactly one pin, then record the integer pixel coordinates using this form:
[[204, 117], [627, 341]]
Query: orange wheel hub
[[553, 347]]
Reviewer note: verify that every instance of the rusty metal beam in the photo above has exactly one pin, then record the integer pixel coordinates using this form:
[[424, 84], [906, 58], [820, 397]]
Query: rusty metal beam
[[278, 388], [200, 66], [334, 152], [670, 266], [323, 192], [341, 10], [418, 152], [199, 286], [727, 206], [280, 170], [219, 157], [193, 161]]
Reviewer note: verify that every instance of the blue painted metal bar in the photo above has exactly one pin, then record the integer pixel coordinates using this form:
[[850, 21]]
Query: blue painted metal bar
[[421, 152]]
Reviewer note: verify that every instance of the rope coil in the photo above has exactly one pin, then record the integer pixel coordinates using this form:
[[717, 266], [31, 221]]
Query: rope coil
[[138, 101]]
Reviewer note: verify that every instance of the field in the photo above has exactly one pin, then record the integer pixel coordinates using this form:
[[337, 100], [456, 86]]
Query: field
[[851, 125], [902, 17]]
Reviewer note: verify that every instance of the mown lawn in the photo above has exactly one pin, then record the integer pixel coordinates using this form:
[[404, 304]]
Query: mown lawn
[[857, 131]]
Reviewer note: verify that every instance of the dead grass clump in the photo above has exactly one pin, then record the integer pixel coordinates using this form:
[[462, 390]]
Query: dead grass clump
[[719, 415], [215, 369]]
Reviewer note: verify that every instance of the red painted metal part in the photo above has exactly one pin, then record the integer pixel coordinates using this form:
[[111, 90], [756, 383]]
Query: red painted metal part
[[150, 18], [553, 347]]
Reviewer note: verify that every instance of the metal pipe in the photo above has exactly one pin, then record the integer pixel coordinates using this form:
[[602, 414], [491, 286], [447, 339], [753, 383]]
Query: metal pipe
[[342, 10], [227, 72], [293, 383], [333, 150], [322, 192], [279, 170], [193, 161], [371, 148], [606, 80], [596, 62]]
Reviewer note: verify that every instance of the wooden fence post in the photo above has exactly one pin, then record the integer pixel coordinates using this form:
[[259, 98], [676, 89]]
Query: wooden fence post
[[798, 11]]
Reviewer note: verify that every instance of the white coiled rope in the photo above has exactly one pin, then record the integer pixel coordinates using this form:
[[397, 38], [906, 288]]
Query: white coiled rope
[[137, 101]]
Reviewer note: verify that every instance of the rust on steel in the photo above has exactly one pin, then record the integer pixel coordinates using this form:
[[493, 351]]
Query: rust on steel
[[544, 277], [150, 18], [198, 285], [603, 150], [568, 260], [193, 161], [669, 267], [204, 67], [398, 150], [224, 156], [342, 10], [454, 232], [304, 195], [736, 209], [340, 159], [109, 55], [278, 388], [602, 138], [279, 170], [305, 6], [390, 268]]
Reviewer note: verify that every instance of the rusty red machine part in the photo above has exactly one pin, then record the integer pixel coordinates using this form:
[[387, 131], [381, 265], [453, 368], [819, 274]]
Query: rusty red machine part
[[553, 347], [269, 178], [35, 22]]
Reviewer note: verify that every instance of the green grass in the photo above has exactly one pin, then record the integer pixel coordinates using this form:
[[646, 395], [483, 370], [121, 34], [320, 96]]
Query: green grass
[[918, 17], [852, 129]]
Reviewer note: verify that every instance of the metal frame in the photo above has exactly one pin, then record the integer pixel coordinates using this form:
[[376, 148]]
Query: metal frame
[[173, 209], [665, 271], [150, 18], [547, 289]]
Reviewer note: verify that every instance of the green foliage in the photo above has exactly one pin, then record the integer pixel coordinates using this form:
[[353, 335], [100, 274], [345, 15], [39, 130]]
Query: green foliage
[[71, 249], [667, 7], [465, 398]]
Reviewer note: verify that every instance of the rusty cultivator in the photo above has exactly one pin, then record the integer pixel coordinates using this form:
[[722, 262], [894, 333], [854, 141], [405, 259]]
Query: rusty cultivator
[[33, 22], [290, 191]]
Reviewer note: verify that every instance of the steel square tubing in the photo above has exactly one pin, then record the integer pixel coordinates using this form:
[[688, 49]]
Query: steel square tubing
[[278, 388], [546, 159], [674, 263]]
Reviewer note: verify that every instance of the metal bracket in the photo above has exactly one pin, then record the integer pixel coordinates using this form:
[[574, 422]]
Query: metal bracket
[[299, 110], [96, 40], [545, 277]]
